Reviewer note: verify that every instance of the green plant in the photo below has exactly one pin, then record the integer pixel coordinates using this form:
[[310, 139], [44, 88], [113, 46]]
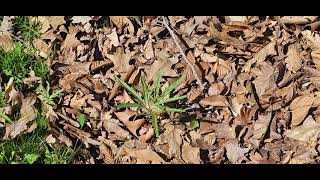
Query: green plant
[[23, 149], [47, 100], [29, 29], [2, 98], [152, 101], [82, 119], [17, 62], [45, 96], [194, 124], [59, 155]]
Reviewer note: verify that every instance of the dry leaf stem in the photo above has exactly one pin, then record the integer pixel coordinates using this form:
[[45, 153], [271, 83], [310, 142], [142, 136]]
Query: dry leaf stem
[[173, 35]]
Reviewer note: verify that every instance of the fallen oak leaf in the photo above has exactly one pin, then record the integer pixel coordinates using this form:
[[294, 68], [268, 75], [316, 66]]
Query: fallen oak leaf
[[214, 100], [145, 154], [133, 126]]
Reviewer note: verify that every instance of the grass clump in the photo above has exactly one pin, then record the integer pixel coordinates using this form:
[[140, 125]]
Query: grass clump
[[151, 100], [29, 29], [17, 62]]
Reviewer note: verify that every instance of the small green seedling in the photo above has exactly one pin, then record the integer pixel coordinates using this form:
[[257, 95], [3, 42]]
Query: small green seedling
[[82, 120], [45, 96], [29, 28], [194, 124], [152, 101], [31, 158]]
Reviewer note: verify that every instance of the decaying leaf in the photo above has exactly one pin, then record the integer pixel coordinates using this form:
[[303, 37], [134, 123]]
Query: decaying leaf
[[215, 100], [235, 153], [300, 107], [307, 132], [190, 155], [260, 128]]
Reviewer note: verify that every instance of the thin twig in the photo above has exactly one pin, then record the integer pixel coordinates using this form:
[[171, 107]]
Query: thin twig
[[173, 35]]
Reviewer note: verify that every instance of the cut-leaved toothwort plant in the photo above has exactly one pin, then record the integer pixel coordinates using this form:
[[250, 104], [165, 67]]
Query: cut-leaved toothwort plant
[[151, 100]]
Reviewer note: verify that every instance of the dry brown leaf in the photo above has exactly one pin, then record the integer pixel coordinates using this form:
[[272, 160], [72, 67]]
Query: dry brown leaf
[[28, 114], [163, 65], [293, 59], [67, 82], [50, 139], [148, 48], [190, 155], [237, 18], [112, 126], [6, 42], [106, 153], [81, 19], [215, 88], [121, 21], [298, 19], [56, 21], [235, 153], [133, 126], [307, 157], [193, 94], [265, 80], [65, 140], [172, 137], [45, 25], [215, 100], [145, 154], [121, 60], [260, 128], [79, 103], [259, 57], [113, 36], [300, 107], [308, 132]]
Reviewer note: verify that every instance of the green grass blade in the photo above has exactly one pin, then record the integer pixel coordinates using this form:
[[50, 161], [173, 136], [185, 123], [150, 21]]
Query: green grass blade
[[144, 89], [130, 90], [155, 124], [173, 86], [128, 105], [176, 98], [157, 84], [5, 117], [167, 109]]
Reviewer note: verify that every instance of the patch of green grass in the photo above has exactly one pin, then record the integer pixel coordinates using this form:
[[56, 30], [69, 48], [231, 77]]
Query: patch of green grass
[[59, 155], [31, 149], [2, 98], [16, 63], [15, 151], [28, 28], [152, 101], [45, 96]]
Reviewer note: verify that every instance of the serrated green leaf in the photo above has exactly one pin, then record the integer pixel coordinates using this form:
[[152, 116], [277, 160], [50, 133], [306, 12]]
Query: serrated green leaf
[[130, 90], [128, 105], [176, 98], [194, 124], [172, 86], [56, 93], [82, 119]]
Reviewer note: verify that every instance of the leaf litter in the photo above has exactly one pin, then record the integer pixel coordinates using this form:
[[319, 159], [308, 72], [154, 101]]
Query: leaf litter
[[252, 85]]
